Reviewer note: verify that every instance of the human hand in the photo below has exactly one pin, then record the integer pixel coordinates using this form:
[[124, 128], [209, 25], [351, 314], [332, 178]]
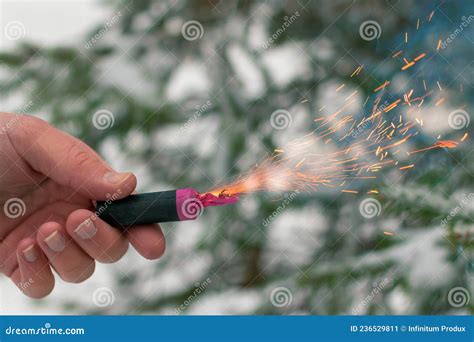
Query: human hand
[[48, 182]]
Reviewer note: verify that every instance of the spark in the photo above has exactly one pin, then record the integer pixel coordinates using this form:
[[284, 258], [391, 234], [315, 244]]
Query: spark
[[431, 16], [439, 45], [417, 58], [398, 53], [446, 143], [391, 106], [382, 86], [439, 144], [351, 95], [300, 163], [342, 146], [365, 102], [409, 64], [357, 70], [406, 66]]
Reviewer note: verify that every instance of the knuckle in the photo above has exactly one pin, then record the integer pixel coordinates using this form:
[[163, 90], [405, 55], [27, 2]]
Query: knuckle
[[80, 157]]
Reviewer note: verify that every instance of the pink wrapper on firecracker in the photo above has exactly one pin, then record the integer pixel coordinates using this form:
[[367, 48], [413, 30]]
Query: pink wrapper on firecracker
[[165, 206]]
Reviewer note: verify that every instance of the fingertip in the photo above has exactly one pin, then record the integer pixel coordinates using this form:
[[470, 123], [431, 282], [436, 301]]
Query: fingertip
[[148, 240], [121, 184], [67, 258], [97, 238], [46, 229], [76, 218], [25, 244], [39, 292], [36, 278]]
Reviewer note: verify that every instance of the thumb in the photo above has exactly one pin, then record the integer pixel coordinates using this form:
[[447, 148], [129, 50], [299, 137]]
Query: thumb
[[67, 160]]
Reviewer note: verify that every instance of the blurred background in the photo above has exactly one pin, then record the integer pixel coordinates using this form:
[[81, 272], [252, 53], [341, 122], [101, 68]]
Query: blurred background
[[182, 93]]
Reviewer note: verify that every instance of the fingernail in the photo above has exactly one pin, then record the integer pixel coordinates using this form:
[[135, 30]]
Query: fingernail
[[55, 241], [116, 178], [30, 254], [86, 230]]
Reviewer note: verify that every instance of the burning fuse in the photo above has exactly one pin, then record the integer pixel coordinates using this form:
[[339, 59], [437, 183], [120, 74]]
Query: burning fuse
[[154, 207]]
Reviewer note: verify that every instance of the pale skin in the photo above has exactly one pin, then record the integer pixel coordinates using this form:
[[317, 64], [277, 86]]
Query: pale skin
[[58, 178]]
